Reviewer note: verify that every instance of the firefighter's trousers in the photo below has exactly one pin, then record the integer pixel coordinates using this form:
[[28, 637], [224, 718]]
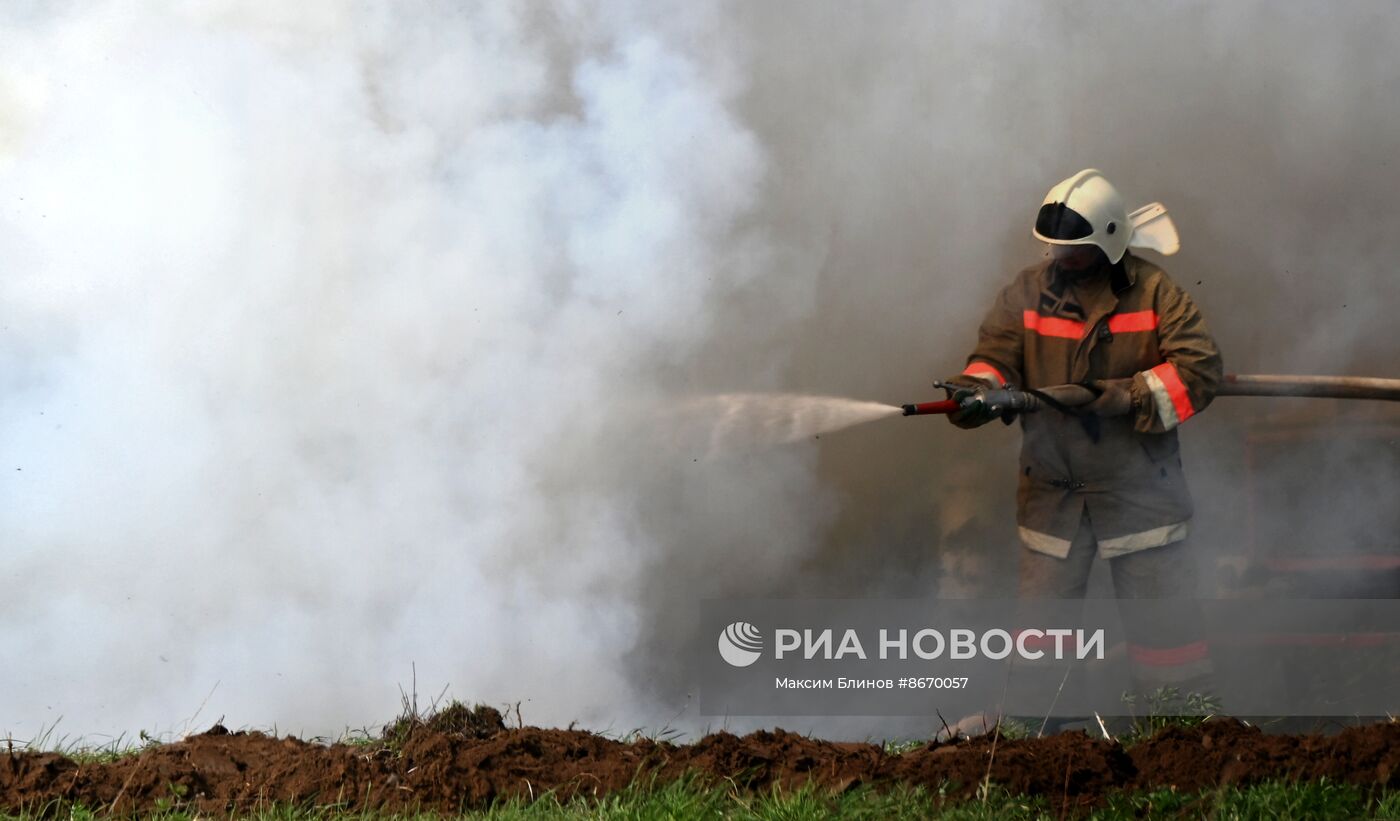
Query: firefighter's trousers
[[1166, 643]]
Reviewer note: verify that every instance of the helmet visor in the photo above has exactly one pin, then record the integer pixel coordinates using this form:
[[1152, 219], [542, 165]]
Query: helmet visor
[[1058, 221]]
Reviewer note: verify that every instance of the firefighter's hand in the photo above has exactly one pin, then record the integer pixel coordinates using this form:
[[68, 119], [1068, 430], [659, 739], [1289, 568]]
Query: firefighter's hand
[[1115, 398], [975, 413]]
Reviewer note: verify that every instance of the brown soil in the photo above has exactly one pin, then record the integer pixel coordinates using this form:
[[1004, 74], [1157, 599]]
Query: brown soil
[[469, 758]]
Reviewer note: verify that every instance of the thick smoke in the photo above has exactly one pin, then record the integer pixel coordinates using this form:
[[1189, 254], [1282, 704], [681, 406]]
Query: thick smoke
[[342, 343]]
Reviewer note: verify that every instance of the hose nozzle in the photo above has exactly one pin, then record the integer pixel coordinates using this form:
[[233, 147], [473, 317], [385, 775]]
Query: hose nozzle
[[925, 408]]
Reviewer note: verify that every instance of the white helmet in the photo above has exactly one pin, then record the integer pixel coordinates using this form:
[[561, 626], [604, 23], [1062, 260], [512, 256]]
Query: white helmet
[[1087, 210]]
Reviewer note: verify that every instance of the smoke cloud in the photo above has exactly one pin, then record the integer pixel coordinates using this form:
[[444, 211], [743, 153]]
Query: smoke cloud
[[339, 343]]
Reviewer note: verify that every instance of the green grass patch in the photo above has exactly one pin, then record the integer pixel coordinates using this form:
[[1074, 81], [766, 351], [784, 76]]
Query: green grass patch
[[687, 799], [1166, 707], [81, 750]]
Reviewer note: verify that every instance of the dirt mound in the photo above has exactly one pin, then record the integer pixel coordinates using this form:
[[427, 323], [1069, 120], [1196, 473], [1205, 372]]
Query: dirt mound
[[1225, 751], [1068, 764], [469, 758], [210, 772], [456, 719]]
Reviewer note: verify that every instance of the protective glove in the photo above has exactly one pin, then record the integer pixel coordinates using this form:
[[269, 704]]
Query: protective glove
[[1115, 398], [976, 414]]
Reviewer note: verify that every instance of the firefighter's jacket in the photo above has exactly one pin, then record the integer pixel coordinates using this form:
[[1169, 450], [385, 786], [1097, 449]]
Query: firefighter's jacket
[[1048, 329]]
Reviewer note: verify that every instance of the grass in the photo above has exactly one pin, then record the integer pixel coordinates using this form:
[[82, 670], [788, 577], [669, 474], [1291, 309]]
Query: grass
[[1317, 800], [1167, 707], [902, 746], [687, 799], [82, 750]]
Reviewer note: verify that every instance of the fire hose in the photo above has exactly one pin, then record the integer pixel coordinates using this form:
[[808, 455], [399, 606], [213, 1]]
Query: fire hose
[[1067, 397]]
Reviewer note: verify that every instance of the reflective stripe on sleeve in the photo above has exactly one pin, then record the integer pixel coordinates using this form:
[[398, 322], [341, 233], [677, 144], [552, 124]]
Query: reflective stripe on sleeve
[[982, 369], [1169, 395]]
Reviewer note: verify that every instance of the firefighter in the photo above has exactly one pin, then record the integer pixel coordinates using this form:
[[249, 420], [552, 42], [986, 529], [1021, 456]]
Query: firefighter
[[1107, 481]]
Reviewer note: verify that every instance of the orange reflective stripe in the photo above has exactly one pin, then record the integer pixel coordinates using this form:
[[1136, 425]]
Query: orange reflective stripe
[[1053, 326], [980, 368], [1168, 656], [1176, 391], [1134, 321], [1131, 322]]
